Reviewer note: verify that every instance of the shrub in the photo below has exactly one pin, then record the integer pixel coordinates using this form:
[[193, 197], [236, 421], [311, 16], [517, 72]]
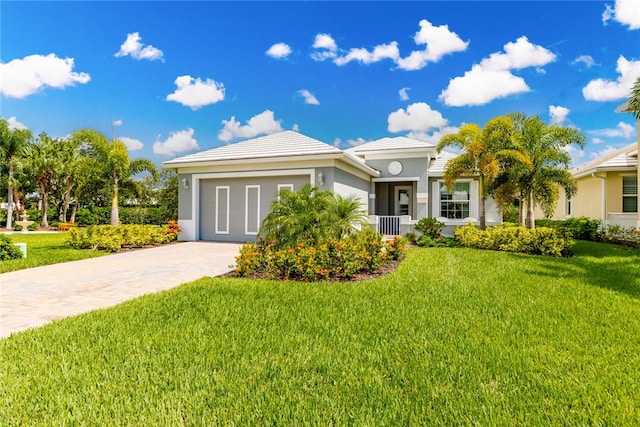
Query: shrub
[[537, 241], [332, 259], [581, 228], [17, 227], [430, 226], [8, 250], [628, 236], [32, 227], [427, 241], [112, 239], [411, 237]]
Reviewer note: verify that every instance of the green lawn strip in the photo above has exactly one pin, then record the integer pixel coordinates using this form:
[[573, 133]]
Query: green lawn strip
[[453, 336], [44, 249]]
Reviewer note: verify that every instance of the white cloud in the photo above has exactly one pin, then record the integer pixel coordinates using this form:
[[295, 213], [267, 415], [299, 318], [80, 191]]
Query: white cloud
[[279, 50], [132, 143], [337, 142], [608, 90], [622, 130], [327, 47], [295, 127], [117, 122], [576, 154], [597, 140], [558, 114], [133, 47], [626, 12], [438, 41], [356, 142], [13, 123], [24, 77], [404, 96], [308, 97], [492, 78], [587, 60], [606, 150], [418, 117], [380, 52], [177, 142], [435, 136], [263, 123], [196, 93]]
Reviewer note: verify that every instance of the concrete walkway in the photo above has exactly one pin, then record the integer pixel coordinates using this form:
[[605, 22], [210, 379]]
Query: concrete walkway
[[35, 296]]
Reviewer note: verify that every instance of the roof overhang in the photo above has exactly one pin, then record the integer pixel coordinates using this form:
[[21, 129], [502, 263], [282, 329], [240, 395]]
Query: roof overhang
[[590, 171], [348, 159]]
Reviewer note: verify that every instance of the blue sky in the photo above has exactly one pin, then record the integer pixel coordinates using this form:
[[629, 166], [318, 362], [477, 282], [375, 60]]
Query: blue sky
[[172, 78]]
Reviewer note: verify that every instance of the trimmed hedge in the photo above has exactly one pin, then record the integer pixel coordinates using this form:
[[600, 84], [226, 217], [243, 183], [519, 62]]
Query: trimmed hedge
[[581, 228], [112, 239], [508, 238]]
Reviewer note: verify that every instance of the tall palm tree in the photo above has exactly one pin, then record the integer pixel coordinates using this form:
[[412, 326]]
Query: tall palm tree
[[480, 157], [633, 103], [12, 144], [41, 158], [547, 162], [113, 160]]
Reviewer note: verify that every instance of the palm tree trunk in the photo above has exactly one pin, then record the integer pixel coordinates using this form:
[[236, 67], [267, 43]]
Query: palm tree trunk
[[45, 209], [521, 213], [74, 208], [115, 215], [10, 200], [530, 216], [482, 213]]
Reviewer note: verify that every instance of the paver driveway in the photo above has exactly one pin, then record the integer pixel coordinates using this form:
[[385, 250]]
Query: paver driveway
[[35, 296]]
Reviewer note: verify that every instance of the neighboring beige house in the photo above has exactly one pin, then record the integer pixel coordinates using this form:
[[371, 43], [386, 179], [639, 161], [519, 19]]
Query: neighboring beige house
[[607, 189]]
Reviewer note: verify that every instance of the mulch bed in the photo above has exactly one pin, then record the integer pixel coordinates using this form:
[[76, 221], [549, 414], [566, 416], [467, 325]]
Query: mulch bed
[[382, 271]]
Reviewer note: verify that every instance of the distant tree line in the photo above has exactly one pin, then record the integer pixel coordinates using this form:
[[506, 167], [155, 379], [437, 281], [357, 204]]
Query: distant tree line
[[81, 176]]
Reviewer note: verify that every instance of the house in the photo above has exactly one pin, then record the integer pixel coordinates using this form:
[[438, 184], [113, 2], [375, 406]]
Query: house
[[607, 189], [225, 192]]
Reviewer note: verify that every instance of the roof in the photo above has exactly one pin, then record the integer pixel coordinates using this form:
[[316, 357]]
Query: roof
[[625, 158], [438, 165], [392, 144], [282, 146]]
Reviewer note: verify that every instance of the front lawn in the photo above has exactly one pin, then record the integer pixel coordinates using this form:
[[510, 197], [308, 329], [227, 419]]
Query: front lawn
[[452, 337], [44, 249]]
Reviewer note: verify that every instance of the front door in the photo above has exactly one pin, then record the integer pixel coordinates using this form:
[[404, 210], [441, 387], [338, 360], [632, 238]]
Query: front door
[[403, 198]]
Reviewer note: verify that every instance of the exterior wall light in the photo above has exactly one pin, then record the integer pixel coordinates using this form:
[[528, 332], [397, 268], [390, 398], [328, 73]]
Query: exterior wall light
[[185, 183], [321, 179]]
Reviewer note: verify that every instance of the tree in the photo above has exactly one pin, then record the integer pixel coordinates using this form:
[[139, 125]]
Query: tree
[[41, 158], [633, 103], [482, 149], [309, 215], [114, 163], [12, 144], [547, 161]]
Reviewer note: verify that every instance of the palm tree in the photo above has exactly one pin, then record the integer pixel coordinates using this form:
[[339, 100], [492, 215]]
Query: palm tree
[[297, 216], [113, 160], [482, 149], [42, 161], [346, 215], [12, 144], [547, 162], [633, 103]]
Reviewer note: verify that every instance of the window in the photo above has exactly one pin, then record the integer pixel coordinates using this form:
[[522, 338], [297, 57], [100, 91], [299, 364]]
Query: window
[[570, 206], [252, 209], [630, 194], [222, 209], [455, 205]]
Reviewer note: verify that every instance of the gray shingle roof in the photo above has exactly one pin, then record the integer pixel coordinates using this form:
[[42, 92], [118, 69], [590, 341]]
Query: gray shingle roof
[[438, 165], [282, 144]]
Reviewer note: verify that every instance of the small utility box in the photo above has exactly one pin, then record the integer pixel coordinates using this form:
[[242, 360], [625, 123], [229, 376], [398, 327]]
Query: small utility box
[[23, 248]]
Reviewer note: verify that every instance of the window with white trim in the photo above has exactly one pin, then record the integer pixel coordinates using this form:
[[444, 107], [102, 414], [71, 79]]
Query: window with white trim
[[455, 204], [629, 194], [284, 187], [222, 209]]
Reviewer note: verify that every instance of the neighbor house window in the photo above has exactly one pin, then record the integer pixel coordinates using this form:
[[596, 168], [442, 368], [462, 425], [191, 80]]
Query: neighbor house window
[[455, 204], [630, 194], [570, 206]]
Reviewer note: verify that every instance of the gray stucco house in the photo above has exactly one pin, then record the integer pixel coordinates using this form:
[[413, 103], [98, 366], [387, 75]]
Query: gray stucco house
[[225, 192]]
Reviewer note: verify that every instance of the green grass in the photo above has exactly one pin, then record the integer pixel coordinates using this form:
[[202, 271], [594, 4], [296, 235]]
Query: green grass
[[44, 249], [452, 337]]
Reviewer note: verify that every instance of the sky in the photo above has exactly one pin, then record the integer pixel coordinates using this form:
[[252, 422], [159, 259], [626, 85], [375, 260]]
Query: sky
[[173, 78]]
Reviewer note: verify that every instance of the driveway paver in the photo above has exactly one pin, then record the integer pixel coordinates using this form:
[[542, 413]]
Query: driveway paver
[[36, 296]]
